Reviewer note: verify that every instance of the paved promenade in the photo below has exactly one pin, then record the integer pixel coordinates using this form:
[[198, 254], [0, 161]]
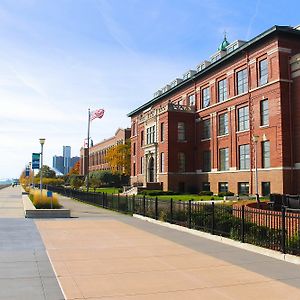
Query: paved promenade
[[105, 255], [99, 254], [25, 270]]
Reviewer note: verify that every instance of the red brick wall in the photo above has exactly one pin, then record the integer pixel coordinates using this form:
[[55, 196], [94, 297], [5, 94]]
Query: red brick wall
[[278, 131]]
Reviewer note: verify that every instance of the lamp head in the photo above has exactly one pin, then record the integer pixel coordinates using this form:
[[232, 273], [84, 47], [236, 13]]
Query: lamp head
[[42, 141]]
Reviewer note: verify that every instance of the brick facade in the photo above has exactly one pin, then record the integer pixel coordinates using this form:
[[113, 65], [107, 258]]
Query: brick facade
[[97, 153], [269, 106]]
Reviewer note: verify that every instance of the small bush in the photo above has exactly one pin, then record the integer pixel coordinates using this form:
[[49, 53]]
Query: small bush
[[293, 245], [158, 193], [222, 194], [206, 193], [44, 202], [76, 181], [163, 216]]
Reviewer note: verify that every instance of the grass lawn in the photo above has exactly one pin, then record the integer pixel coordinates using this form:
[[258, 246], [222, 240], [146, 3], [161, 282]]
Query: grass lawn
[[186, 197]]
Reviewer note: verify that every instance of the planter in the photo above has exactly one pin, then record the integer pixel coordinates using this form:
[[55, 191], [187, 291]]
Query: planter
[[31, 212]]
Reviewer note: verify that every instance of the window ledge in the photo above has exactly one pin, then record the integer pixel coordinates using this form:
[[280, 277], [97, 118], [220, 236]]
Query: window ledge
[[242, 94], [243, 131], [264, 126], [223, 135], [262, 84], [204, 140]]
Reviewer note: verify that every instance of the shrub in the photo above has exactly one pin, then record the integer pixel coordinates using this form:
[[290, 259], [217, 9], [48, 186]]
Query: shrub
[[293, 245], [44, 201], [222, 194], [206, 193], [49, 181], [76, 181], [163, 216], [158, 193]]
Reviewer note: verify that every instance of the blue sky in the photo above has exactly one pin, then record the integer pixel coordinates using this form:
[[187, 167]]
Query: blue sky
[[60, 57]]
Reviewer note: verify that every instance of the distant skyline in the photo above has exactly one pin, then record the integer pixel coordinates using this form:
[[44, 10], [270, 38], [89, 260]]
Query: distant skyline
[[59, 58]]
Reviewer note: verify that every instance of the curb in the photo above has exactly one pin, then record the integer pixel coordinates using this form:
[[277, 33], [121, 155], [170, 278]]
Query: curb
[[256, 249]]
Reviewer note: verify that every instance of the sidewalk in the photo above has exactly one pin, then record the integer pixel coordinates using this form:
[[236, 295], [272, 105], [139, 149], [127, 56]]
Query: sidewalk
[[105, 255], [25, 270], [11, 205]]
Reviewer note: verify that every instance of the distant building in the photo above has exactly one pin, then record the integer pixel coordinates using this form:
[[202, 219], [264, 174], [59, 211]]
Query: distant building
[[57, 172], [98, 152], [58, 163], [67, 158], [64, 163], [74, 160]]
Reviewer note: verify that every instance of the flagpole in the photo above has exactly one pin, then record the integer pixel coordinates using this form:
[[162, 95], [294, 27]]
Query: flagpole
[[88, 150]]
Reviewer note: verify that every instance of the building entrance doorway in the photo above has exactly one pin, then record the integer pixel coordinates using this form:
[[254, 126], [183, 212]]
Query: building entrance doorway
[[151, 170]]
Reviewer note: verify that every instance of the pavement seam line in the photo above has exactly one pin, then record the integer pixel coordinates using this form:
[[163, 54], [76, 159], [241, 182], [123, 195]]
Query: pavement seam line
[[43, 287], [57, 278]]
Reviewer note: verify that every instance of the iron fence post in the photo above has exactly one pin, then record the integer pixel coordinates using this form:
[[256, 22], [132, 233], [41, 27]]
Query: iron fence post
[[156, 208], [190, 214], [144, 205], [133, 204], [283, 234], [127, 201], [213, 218], [103, 199], [243, 224], [119, 202], [171, 211]]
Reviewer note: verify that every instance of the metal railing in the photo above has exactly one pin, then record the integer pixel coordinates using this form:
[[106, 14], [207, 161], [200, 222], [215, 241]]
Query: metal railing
[[277, 230]]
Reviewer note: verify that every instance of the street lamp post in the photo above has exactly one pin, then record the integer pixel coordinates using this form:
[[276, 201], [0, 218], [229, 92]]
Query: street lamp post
[[255, 140], [30, 174], [42, 142]]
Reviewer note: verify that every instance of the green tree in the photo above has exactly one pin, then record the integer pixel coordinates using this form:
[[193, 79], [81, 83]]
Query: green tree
[[47, 172], [118, 158], [100, 178], [76, 181]]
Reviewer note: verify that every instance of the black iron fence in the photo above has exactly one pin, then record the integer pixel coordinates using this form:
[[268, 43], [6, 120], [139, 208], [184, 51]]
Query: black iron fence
[[277, 230]]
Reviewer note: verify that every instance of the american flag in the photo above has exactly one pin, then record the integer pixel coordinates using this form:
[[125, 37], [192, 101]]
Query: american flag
[[85, 143], [98, 113]]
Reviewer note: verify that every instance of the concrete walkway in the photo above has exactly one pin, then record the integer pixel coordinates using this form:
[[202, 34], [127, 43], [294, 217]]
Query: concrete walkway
[[25, 270], [104, 255], [11, 205]]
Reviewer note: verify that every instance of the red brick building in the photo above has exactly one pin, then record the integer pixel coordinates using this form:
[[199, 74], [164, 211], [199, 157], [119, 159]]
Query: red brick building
[[200, 132], [97, 152]]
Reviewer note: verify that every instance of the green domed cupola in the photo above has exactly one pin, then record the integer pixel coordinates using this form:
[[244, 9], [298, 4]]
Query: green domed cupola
[[224, 44]]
